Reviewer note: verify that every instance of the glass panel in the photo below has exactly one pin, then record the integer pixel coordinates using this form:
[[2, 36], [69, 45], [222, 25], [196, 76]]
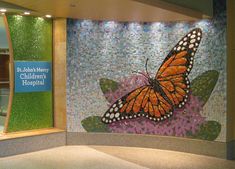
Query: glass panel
[[4, 73]]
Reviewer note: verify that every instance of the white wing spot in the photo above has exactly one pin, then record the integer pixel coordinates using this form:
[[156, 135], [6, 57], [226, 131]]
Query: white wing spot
[[198, 38], [185, 38], [178, 49], [117, 115], [193, 36], [120, 106], [116, 109], [185, 43], [181, 42], [114, 105], [191, 46], [111, 110], [189, 34], [107, 115], [194, 32], [112, 116], [193, 40]]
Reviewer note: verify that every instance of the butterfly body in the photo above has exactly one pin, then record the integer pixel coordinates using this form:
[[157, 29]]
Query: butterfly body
[[156, 86], [167, 91]]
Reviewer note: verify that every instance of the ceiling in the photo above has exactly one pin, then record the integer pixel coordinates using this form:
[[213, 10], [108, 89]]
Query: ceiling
[[118, 10]]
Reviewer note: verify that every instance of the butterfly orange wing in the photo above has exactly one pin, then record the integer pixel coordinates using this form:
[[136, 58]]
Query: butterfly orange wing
[[143, 101], [173, 73]]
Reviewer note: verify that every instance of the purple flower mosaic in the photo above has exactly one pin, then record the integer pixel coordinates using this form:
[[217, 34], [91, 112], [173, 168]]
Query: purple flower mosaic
[[183, 121]]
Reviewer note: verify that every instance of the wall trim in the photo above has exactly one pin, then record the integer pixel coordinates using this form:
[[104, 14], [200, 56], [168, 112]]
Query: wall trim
[[29, 143], [201, 147], [18, 145], [59, 72], [11, 74]]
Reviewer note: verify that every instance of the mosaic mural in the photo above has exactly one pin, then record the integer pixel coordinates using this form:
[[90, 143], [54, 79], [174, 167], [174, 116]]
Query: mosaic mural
[[104, 56]]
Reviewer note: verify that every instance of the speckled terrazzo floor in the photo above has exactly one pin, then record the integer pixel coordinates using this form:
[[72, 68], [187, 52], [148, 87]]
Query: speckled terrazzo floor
[[103, 157]]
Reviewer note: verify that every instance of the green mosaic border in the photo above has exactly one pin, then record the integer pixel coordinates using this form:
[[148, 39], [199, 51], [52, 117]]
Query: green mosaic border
[[31, 41]]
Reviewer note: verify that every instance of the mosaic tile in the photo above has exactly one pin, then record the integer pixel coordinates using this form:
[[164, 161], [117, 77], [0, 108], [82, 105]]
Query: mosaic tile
[[113, 50]]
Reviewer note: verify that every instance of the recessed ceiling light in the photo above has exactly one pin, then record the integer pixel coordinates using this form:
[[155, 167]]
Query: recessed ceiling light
[[3, 10], [27, 13], [48, 16]]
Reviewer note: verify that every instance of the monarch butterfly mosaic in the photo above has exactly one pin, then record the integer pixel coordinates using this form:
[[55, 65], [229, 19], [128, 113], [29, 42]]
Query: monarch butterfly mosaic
[[167, 91]]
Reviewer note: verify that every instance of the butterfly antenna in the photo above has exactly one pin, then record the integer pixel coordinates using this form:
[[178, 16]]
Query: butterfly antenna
[[146, 67], [140, 73]]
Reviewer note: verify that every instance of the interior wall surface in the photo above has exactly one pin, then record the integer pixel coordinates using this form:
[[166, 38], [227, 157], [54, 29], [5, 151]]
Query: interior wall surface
[[101, 58], [59, 73], [31, 39], [231, 91]]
